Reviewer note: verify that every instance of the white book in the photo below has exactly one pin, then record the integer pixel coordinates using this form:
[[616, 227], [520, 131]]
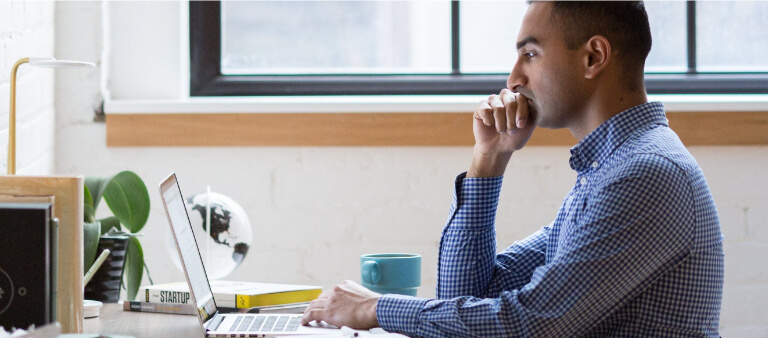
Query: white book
[[233, 294]]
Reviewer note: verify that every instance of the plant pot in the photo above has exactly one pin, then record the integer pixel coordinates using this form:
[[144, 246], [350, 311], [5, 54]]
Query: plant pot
[[105, 284]]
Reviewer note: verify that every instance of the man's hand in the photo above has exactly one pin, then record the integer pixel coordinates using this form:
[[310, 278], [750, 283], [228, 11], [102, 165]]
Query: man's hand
[[349, 304], [502, 125]]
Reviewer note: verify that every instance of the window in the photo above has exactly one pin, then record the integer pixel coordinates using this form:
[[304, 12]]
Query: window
[[441, 47], [335, 37]]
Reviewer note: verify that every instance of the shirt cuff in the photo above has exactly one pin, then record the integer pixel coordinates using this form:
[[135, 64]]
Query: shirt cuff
[[398, 313], [475, 199]]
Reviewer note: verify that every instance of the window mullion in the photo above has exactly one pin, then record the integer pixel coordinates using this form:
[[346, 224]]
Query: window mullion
[[455, 43], [691, 25]]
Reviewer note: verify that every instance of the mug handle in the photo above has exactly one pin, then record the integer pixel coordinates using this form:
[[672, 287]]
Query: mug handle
[[371, 273]]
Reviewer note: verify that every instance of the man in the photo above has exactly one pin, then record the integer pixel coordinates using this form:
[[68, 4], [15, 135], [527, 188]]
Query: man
[[636, 247]]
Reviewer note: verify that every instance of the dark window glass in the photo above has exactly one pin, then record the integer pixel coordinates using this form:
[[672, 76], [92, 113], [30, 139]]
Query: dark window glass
[[446, 47]]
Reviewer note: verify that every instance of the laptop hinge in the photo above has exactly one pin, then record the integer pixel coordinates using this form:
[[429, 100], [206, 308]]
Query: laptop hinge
[[213, 324]]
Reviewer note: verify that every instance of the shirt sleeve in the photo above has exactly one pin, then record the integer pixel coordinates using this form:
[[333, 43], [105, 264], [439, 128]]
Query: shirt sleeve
[[468, 264], [636, 227]]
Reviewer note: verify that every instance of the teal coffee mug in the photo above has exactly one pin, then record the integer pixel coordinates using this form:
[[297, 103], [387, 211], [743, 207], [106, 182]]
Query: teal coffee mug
[[391, 273]]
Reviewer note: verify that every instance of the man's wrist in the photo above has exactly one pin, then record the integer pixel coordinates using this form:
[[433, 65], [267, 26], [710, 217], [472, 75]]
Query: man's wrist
[[488, 164], [374, 320]]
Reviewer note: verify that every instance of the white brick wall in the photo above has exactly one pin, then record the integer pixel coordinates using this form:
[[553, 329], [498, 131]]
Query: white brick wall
[[27, 30], [315, 210]]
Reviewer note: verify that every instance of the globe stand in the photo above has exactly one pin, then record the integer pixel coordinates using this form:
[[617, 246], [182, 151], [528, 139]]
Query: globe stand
[[105, 285]]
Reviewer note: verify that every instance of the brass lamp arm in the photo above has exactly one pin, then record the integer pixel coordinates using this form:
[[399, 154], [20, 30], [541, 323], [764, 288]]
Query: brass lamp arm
[[12, 118], [45, 62]]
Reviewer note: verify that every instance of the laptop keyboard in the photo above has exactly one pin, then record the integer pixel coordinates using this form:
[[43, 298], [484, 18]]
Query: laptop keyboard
[[272, 323]]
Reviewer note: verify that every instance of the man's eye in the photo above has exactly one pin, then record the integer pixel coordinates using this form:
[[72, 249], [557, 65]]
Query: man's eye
[[529, 55]]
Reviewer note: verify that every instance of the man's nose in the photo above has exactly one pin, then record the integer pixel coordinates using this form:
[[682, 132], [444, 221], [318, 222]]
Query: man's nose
[[516, 78]]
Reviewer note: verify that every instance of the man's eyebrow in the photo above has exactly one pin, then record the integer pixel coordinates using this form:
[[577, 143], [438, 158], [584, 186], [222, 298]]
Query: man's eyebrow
[[526, 41]]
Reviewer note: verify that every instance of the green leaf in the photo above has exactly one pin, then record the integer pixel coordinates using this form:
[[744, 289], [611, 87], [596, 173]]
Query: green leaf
[[96, 186], [134, 267], [88, 212], [128, 199], [90, 243], [109, 223]]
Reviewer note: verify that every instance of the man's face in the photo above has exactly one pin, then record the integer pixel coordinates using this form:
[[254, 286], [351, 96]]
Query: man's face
[[546, 71]]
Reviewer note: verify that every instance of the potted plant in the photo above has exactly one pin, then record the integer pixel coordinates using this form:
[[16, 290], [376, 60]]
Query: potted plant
[[127, 197]]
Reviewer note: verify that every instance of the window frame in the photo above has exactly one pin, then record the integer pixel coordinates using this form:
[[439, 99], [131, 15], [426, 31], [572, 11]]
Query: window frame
[[206, 78]]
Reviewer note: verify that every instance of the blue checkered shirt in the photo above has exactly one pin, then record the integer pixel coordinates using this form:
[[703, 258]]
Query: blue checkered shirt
[[635, 250]]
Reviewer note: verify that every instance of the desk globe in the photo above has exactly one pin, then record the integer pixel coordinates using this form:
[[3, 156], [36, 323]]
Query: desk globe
[[223, 246]]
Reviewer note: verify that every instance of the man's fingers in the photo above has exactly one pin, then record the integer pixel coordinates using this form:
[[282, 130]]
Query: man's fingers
[[499, 113], [317, 303], [481, 106], [523, 111], [325, 294], [507, 96], [510, 105], [313, 314], [484, 112]]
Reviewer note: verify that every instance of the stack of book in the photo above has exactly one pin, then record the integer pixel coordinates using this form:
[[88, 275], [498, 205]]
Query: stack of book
[[230, 296]]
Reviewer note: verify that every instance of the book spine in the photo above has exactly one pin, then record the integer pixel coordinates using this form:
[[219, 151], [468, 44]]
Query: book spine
[[166, 297], [182, 297], [138, 306], [232, 300], [227, 300], [278, 298], [54, 266]]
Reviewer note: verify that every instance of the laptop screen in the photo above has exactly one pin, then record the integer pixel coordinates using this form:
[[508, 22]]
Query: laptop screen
[[187, 245]]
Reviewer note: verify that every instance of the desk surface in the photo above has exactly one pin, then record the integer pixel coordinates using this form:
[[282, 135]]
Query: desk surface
[[113, 320]]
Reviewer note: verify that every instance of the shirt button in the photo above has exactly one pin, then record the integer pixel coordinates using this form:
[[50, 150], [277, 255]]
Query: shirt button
[[594, 164], [583, 181]]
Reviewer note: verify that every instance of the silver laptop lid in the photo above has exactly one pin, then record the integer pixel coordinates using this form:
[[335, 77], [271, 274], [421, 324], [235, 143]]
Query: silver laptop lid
[[181, 227]]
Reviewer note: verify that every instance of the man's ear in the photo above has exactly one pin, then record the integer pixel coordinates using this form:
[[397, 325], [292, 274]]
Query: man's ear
[[598, 55]]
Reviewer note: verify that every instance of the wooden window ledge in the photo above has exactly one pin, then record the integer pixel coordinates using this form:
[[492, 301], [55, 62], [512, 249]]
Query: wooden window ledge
[[390, 121]]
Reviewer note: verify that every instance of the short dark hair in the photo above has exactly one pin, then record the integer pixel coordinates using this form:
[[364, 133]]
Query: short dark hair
[[623, 23]]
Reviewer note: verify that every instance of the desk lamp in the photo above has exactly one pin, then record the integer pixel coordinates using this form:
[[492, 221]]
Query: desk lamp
[[35, 62]]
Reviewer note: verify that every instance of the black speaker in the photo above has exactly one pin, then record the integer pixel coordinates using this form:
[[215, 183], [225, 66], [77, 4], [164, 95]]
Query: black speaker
[[27, 264]]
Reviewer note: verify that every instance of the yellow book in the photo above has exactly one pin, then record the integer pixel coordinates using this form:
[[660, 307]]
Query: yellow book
[[278, 298], [233, 294]]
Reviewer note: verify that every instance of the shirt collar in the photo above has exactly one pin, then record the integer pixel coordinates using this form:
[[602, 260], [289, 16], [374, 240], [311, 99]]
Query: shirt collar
[[601, 142]]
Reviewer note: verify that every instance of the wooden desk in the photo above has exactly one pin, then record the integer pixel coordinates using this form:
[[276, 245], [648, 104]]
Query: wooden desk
[[113, 320]]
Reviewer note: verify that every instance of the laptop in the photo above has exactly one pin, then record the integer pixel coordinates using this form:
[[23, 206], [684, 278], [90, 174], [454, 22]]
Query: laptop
[[214, 323]]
